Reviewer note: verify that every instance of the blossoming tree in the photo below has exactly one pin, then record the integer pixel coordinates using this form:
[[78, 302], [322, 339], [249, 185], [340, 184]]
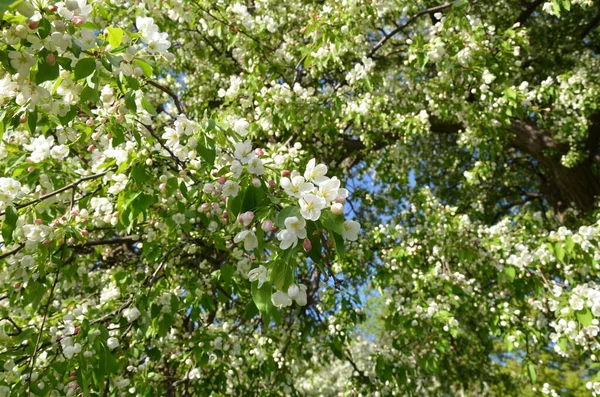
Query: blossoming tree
[[182, 184]]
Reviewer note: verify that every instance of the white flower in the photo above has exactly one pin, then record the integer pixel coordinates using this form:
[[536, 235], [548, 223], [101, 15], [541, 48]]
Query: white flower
[[249, 239], [255, 166], [297, 186], [287, 239], [294, 229], [243, 151], [576, 302], [59, 152], [146, 27], [194, 374], [179, 219], [281, 299], [236, 168], [231, 189], [350, 230], [112, 343], [120, 183], [9, 189], [315, 173], [40, 148], [36, 233], [329, 189], [296, 226], [260, 274], [71, 8], [22, 61], [241, 126], [311, 206], [88, 39], [131, 314], [298, 293]]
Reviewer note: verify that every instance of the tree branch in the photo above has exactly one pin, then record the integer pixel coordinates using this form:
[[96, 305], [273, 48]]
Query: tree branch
[[410, 20], [170, 93]]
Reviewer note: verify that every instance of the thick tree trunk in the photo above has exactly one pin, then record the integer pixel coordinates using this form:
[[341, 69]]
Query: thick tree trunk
[[578, 185]]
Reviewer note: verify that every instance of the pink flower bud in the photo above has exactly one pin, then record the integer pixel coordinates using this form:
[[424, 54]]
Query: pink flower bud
[[307, 245], [222, 180], [52, 8], [337, 209], [47, 243], [71, 240], [77, 21], [246, 218], [30, 168], [17, 285], [162, 186], [274, 229], [266, 226], [74, 213], [285, 173], [272, 183], [32, 25], [259, 152], [84, 232], [91, 148], [225, 214], [90, 121], [23, 118], [38, 221], [340, 199], [51, 59], [256, 182], [215, 173]]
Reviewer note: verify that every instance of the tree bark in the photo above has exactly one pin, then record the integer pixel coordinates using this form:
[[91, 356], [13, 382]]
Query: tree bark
[[564, 186]]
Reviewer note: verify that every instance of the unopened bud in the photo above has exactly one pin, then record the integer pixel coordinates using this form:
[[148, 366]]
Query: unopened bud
[[272, 183], [33, 25], [51, 59], [222, 180], [259, 152], [337, 209], [266, 226], [77, 21], [256, 182], [307, 245], [285, 173], [246, 218]]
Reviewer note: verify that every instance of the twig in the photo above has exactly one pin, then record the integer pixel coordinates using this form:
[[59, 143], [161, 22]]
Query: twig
[[10, 320], [406, 24], [9, 253], [72, 185], [170, 93], [39, 338]]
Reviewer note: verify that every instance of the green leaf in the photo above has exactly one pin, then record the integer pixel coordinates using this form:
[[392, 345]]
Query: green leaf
[[145, 66], [46, 72], [148, 107], [460, 3], [9, 224], [115, 36], [532, 373], [84, 68], [282, 275], [227, 272], [510, 273], [584, 316], [286, 213], [261, 296], [130, 101], [331, 222], [44, 28], [559, 251]]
